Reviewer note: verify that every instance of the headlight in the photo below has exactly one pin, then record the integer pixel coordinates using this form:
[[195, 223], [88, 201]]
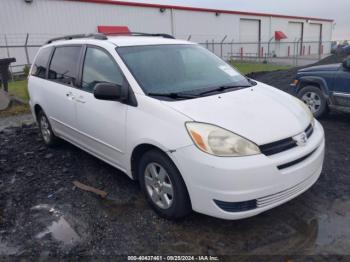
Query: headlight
[[217, 141], [295, 82]]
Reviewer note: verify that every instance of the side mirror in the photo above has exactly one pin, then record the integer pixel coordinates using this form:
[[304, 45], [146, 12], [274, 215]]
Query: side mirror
[[109, 91], [346, 64]]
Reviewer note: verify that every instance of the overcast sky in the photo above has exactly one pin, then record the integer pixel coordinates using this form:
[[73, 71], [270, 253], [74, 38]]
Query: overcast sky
[[339, 10]]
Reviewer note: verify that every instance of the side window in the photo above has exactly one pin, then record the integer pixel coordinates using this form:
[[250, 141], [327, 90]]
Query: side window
[[40, 63], [63, 67], [99, 67]]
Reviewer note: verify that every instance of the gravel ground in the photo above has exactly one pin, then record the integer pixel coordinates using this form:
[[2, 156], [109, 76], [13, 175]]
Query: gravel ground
[[42, 213], [15, 121]]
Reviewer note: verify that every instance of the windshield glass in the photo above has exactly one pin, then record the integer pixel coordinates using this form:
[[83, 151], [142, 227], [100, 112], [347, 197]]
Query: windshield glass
[[165, 69]]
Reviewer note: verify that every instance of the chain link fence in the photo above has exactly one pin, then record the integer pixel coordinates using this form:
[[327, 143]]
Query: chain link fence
[[24, 47], [296, 53]]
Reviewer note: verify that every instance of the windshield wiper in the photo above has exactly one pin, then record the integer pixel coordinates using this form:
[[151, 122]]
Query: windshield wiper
[[223, 88], [173, 95]]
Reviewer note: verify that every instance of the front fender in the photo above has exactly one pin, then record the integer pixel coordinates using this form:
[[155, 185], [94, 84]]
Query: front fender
[[309, 80]]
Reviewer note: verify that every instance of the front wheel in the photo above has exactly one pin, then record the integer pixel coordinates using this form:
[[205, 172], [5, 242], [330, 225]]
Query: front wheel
[[314, 98], [163, 186]]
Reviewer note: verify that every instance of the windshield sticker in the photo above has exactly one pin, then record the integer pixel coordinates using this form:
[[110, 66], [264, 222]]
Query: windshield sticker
[[228, 70]]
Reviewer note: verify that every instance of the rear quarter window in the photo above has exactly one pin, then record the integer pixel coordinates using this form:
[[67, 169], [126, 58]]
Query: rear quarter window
[[40, 64]]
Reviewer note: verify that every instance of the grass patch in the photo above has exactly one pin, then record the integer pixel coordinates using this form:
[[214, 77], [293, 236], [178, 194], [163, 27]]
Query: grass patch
[[19, 89], [247, 68], [15, 110]]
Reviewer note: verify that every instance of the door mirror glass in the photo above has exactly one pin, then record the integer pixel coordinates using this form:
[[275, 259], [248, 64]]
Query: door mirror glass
[[346, 64], [109, 91]]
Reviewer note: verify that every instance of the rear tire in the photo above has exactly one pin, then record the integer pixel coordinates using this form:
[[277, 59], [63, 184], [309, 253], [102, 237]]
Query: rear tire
[[46, 130], [163, 186], [314, 98]]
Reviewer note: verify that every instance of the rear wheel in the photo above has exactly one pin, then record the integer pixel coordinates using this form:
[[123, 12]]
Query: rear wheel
[[46, 131], [314, 98], [163, 185]]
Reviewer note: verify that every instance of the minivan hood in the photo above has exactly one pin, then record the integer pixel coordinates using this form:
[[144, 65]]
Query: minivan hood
[[262, 114], [332, 67]]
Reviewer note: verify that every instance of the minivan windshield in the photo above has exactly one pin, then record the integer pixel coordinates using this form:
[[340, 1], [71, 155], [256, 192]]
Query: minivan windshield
[[180, 71]]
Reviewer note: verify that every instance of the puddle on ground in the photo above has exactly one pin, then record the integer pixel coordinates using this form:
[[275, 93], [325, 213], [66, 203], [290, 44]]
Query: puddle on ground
[[61, 231], [334, 230]]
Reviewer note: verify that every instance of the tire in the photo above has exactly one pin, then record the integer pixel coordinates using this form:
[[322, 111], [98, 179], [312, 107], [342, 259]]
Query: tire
[[314, 98], [46, 130], [165, 192]]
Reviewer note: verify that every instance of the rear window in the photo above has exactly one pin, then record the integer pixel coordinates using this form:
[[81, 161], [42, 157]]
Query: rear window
[[40, 64], [64, 63]]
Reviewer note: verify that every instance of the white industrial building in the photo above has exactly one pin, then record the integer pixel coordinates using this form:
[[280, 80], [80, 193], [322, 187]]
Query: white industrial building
[[250, 33]]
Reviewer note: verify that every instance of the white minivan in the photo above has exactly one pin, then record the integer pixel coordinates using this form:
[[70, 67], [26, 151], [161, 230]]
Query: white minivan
[[194, 132]]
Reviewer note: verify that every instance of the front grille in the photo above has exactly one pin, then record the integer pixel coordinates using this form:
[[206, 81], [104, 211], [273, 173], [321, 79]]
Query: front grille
[[236, 206], [284, 144], [309, 130]]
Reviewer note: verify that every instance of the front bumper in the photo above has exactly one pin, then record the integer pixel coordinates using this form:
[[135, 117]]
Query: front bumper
[[241, 179]]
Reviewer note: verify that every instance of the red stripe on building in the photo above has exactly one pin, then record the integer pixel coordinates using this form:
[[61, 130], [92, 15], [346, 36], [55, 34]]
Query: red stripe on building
[[198, 9]]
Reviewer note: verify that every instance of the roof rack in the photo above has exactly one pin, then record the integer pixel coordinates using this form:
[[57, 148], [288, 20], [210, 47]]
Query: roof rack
[[70, 37], [102, 36], [142, 34]]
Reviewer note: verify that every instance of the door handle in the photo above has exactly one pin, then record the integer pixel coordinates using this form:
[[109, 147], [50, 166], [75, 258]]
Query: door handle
[[80, 100]]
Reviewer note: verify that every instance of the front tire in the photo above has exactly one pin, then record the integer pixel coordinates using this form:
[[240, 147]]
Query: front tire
[[163, 186], [46, 130], [314, 98]]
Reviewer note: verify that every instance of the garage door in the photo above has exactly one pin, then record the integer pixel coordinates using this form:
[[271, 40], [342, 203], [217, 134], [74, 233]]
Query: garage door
[[249, 32], [295, 34], [295, 31], [314, 36]]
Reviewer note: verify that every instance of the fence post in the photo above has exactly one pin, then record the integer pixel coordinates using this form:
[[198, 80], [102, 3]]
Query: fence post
[[320, 49], [213, 46], [241, 53], [221, 43], [269, 47], [309, 49], [232, 48], [207, 44], [8, 55], [289, 51], [7, 48], [298, 52], [26, 49]]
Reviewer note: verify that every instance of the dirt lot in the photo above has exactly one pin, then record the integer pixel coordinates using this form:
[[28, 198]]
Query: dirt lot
[[42, 213]]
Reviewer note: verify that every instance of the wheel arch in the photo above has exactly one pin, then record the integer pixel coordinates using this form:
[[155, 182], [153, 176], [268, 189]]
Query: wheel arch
[[318, 82], [37, 108], [138, 152]]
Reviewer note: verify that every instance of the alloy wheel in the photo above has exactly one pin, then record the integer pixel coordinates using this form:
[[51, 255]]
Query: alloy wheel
[[159, 186], [313, 101], [45, 128]]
